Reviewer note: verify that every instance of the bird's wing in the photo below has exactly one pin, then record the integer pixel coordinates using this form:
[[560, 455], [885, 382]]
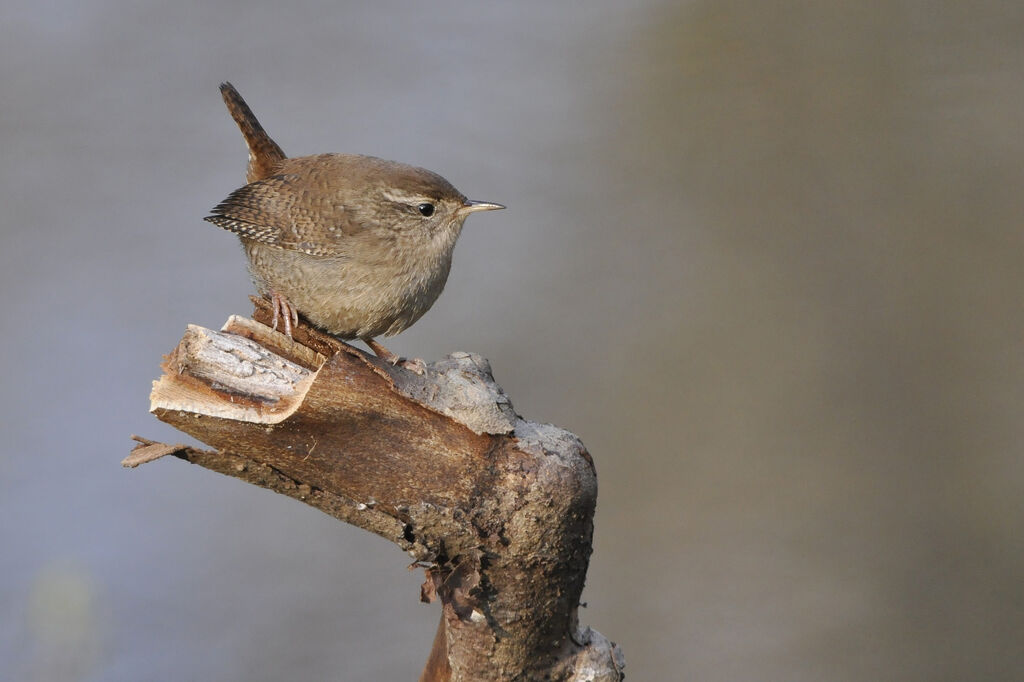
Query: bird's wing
[[282, 211]]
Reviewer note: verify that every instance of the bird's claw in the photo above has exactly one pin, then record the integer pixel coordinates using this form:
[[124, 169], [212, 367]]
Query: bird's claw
[[282, 308]]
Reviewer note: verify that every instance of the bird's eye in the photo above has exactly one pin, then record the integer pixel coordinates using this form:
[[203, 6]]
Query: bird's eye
[[426, 210]]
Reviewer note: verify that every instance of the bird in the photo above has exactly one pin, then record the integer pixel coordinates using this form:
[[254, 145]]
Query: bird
[[359, 246]]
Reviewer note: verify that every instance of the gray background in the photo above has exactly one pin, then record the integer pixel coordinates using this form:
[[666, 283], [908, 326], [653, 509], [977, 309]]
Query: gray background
[[764, 257]]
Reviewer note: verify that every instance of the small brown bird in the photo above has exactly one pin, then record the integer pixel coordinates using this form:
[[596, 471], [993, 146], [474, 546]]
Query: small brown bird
[[359, 246]]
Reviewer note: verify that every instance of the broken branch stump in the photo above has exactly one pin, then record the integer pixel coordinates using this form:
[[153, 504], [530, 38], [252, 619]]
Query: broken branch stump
[[498, 510]]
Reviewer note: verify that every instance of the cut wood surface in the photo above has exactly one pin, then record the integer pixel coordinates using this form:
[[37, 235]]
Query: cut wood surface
[[432, 456]]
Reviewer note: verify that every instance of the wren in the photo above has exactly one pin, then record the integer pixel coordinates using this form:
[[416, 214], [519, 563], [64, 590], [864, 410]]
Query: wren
[[359, 246]]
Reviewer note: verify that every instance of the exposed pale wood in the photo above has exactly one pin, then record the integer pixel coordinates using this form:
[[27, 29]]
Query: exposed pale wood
[[497, 509], [275, 341]]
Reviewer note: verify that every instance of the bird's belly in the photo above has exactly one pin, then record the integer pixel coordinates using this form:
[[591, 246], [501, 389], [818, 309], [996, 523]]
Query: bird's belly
[[343, 296]]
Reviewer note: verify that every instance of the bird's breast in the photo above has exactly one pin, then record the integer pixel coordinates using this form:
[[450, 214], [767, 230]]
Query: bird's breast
[[350, 296]]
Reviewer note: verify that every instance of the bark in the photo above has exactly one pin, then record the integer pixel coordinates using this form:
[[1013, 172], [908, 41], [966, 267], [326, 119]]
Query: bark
[[498, 510]]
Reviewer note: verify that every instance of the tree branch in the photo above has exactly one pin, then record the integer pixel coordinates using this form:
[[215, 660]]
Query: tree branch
[[497, 509]]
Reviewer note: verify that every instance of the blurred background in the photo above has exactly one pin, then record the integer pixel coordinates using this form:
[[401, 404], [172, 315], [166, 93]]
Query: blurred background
[[764, 257]]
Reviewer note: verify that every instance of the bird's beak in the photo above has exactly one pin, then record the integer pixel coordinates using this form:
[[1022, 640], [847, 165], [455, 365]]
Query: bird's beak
[[474, 206]]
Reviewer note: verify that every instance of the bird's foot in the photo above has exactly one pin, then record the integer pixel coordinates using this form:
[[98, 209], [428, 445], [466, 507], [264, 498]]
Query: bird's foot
[[283, 309], [415, 364]]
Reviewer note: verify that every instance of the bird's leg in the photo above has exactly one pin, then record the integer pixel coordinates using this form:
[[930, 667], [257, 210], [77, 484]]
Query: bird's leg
[[284, 309], [381, 352]]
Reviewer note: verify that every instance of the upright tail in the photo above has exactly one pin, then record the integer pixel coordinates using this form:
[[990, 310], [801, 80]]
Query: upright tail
[[264, 154]]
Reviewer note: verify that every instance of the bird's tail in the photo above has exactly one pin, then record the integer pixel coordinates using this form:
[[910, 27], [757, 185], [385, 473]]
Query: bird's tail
[[264, 154]]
